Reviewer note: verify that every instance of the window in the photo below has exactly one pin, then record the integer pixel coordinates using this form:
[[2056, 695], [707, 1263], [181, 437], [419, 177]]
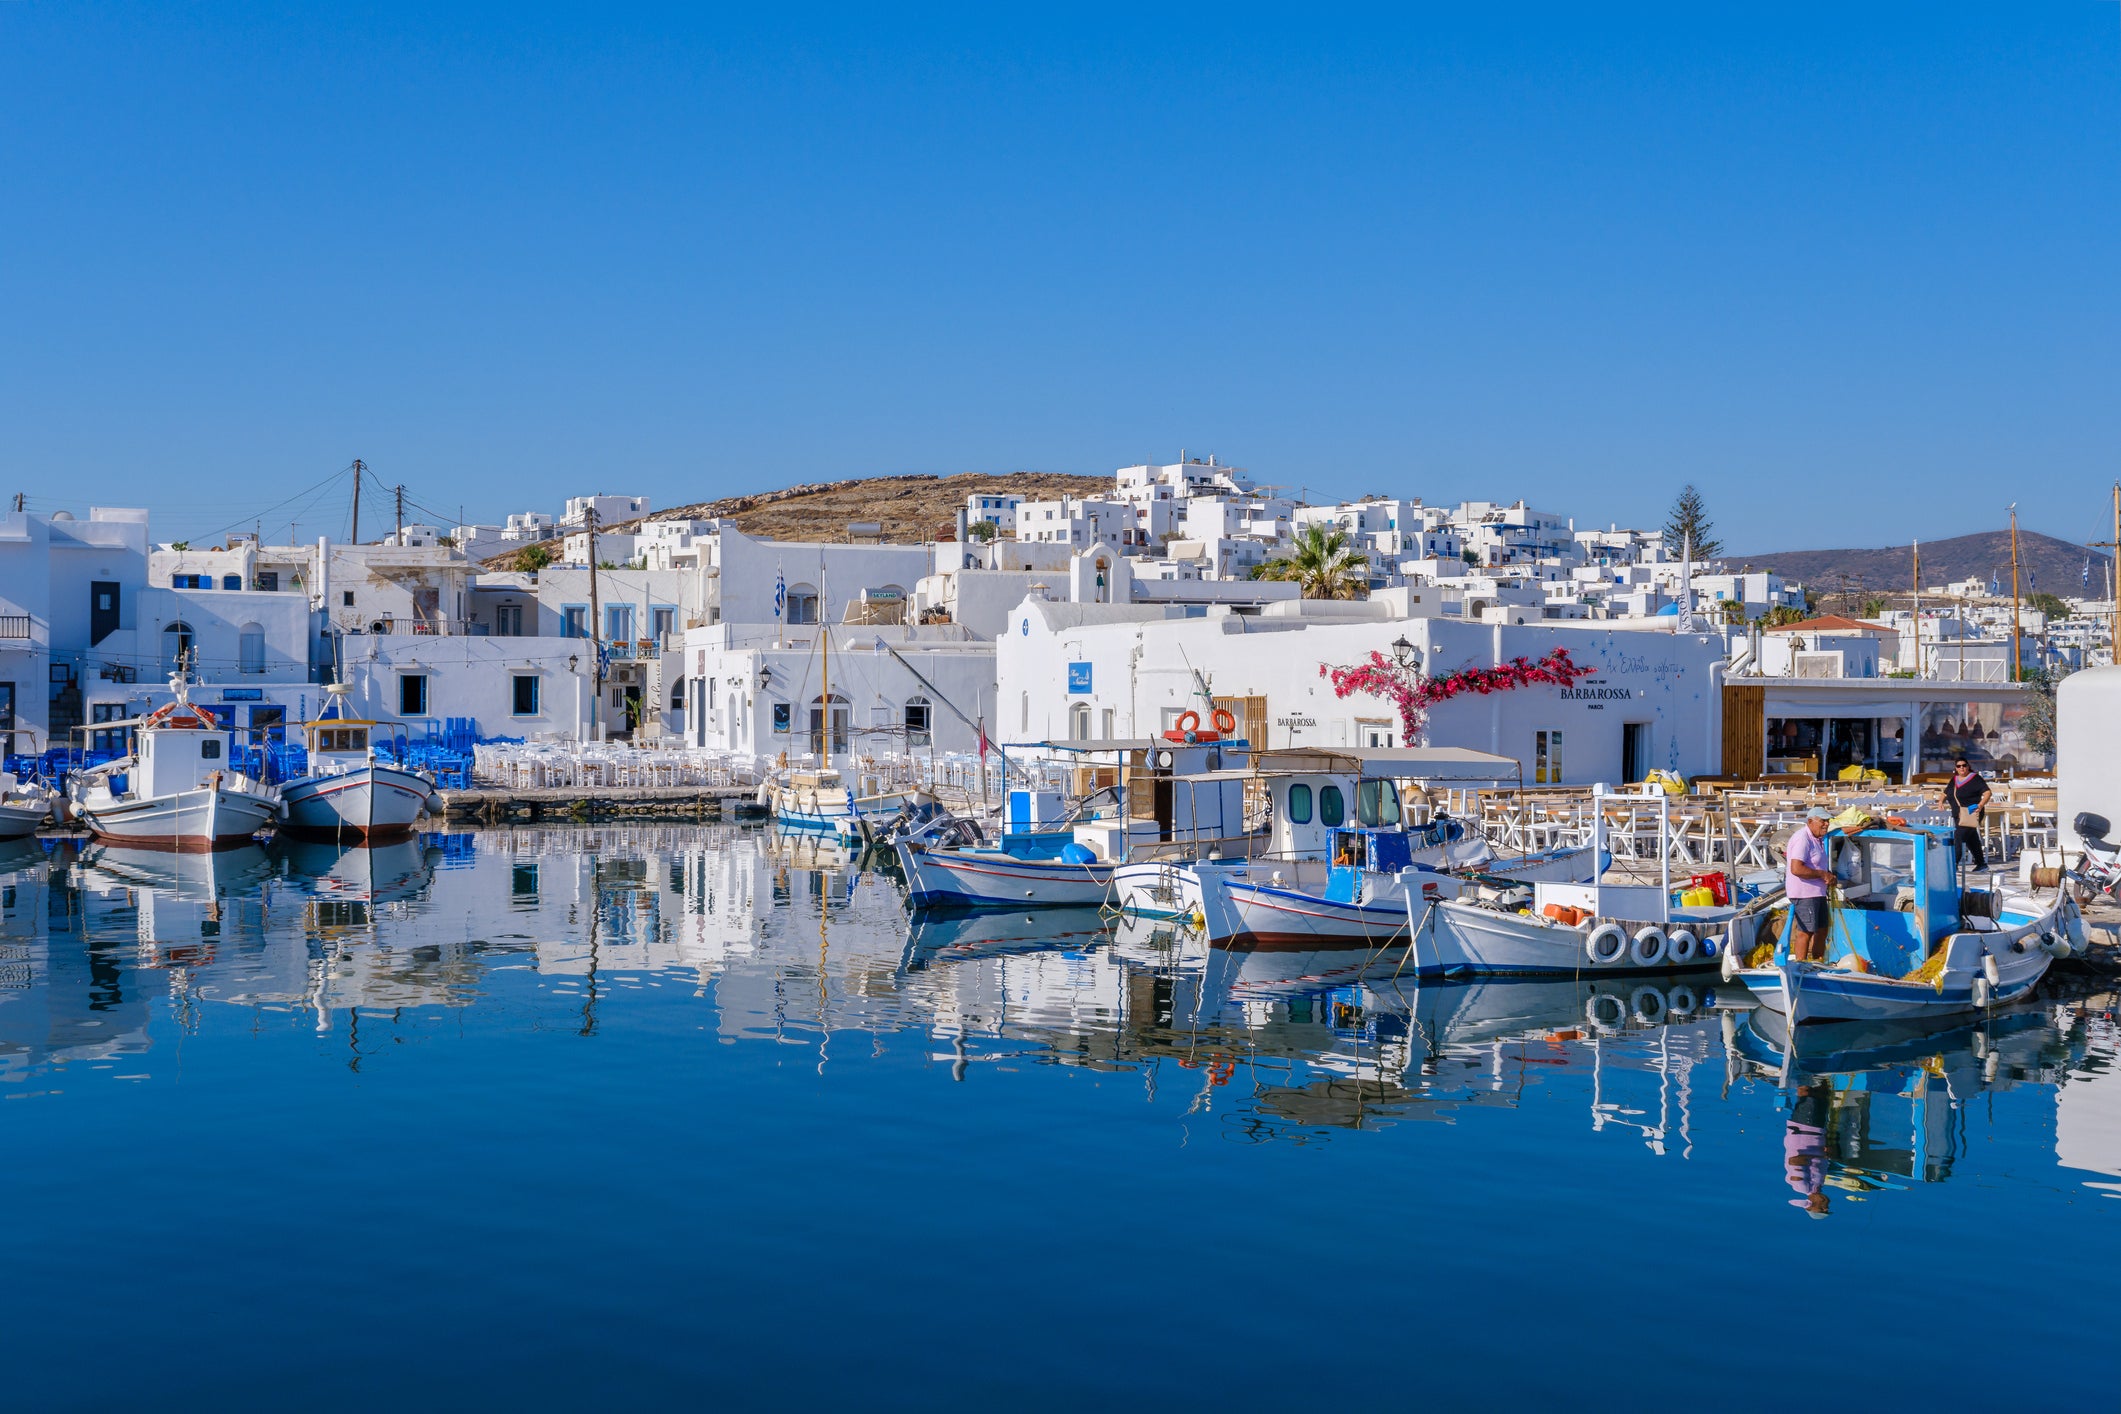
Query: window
[[267, 579], [618, 623], [210, 750], [342, 739], [104, 712], [780, 717], [1332, 807], [1376, 803], [1299, 804], [802, 604], [176, 645], [508, 621], [526, 694], [1546, 759], [919, 716], [663, 622], [412, 694], [1111, 715], [1079, 722], [1026, 727], [574, 621], [346, 598], [231, 581], [250, 651]]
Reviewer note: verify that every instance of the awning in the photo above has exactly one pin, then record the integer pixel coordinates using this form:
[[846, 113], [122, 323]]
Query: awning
[[1428, 763], [1778, 705]]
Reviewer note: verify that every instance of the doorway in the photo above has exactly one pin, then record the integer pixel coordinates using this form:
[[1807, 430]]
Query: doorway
[[840, 725], [1634, 751]]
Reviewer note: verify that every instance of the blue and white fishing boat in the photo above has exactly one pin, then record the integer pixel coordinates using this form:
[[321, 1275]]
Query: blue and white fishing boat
[[1555, 928], [351, 792], [1340, 851], [1905, 940]]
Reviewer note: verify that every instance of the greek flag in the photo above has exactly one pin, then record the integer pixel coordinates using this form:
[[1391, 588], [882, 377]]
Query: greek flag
[[780, 592], [2085, 580]]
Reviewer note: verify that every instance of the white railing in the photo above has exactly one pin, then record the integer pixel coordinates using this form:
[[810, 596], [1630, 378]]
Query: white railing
[[574, 766]]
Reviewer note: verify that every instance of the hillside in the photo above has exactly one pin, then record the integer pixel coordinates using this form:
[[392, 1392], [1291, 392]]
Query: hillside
[[911, 509], [2055, 566]]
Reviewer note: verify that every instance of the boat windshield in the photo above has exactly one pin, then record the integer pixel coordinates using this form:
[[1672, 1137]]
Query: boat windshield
[[342, 739], [1873, 870], [1376, 803]]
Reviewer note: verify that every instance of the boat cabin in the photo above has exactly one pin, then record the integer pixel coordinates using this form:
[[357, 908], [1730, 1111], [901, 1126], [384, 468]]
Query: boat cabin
[[1900, 897], [178, 749]]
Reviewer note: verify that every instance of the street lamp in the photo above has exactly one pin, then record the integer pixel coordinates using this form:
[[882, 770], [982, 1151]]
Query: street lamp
[[1404, 653]]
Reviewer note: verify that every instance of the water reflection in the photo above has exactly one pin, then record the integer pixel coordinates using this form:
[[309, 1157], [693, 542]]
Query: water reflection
[[104, 952]]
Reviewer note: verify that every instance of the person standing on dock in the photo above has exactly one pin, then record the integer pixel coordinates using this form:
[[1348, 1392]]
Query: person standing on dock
[[1966, 796], [1804, 884]]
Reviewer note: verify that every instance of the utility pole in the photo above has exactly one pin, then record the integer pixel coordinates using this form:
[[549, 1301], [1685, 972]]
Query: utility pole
[[18, 503], [401, 513], [596, 630], [2017, 668], [359, 469]]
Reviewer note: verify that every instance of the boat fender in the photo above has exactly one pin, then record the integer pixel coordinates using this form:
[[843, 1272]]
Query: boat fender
[[1607, 944], [1606, 1011], [1732, 964], [1981, 992], [1681, 948], [2058, 946], [1077, 853], [1647, 948], [1682, 1003], [1991, 970], [1649, 1006]]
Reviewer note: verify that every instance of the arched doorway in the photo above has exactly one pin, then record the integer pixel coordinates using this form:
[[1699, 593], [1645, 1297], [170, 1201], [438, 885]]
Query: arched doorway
[[176, 645]]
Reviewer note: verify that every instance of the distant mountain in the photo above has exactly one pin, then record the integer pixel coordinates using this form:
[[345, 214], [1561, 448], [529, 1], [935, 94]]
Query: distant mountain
[[2044, 563]]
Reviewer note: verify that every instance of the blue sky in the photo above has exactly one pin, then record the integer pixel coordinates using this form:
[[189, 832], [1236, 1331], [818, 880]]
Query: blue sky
[[1853, 268]]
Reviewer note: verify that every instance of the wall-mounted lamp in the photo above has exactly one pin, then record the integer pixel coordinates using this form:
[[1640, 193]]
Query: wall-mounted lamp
[[1404, 653]]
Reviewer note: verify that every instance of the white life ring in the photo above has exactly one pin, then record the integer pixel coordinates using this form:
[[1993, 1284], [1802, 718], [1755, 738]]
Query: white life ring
[[1682, 1002], [1682, 948], [1649, 1006], [1605, 1011], [1607, 944], [1647, 949], [1981, 992]]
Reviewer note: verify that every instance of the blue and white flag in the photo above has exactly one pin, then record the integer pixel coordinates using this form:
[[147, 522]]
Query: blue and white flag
[[2085, 580], [780, 592]]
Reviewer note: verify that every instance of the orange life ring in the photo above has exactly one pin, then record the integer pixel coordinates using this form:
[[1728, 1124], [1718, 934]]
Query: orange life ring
[[1188, 721], [1224, 721]]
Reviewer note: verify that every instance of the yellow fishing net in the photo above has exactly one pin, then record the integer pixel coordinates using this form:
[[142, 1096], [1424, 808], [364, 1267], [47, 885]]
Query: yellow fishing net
[[1931, 971]]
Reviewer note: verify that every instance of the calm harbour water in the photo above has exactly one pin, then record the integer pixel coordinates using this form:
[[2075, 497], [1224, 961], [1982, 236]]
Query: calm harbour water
[[677, 1116]]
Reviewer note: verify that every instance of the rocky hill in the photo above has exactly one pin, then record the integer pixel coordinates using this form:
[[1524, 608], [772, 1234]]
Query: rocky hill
[[2044, 563], [910, 509]]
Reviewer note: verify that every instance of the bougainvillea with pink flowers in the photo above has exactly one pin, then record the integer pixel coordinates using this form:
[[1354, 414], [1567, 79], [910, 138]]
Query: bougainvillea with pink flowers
[[1411, 694]]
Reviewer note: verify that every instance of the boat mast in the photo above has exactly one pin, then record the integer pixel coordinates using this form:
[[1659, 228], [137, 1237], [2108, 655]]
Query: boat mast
[[824, 638], [2017, 668], [596, 642]]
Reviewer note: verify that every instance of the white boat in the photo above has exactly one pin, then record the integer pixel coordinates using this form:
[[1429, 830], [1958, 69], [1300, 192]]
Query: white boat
[[177, 790], [1906, 942], [1052, 856], [25, 806], [1552, 928], [823, 802], [350, 793]]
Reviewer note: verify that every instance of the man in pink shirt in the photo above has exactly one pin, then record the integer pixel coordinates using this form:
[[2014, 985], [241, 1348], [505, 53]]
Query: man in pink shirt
[[1804, 882]]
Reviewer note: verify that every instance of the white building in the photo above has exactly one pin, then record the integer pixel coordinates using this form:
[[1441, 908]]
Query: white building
[[609, 509], [1094, 671], [1079, 522], [526, 526]]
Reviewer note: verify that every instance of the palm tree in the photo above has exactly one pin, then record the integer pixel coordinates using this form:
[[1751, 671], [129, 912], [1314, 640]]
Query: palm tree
[[1321, 564]]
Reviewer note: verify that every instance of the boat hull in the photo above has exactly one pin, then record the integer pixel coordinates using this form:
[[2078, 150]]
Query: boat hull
[[368, 803], [1237, 908], [18, 821], [208, 818], [947, 879], [1456, 939]]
